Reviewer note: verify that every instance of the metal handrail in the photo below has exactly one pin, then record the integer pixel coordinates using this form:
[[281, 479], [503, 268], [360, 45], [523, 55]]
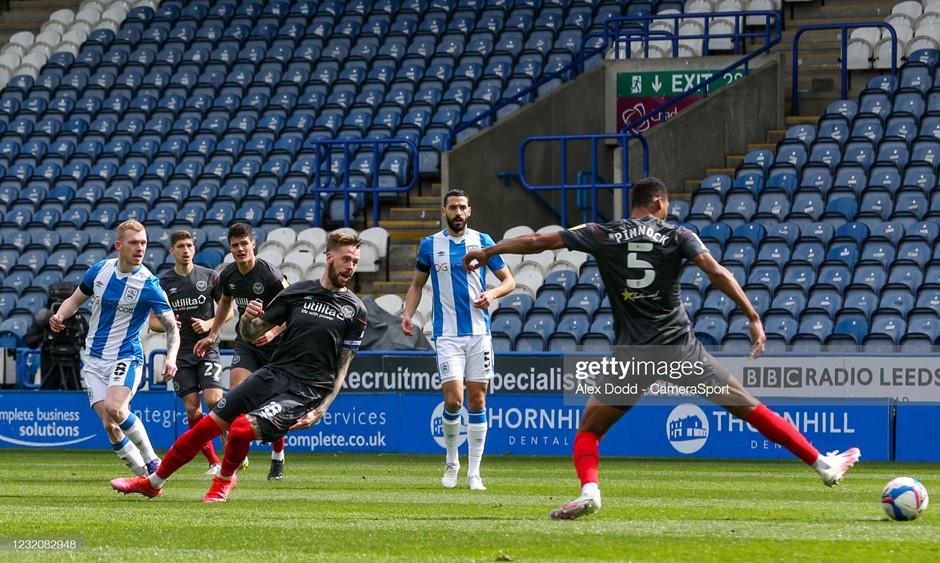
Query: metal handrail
[[795, 97], [320, 183], [596, 141]]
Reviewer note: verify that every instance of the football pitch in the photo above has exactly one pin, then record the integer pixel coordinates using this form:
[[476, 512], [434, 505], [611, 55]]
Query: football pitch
[[342, 507]]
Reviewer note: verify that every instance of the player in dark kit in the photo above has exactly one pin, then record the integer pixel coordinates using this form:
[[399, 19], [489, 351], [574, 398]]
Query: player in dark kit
[[193, 291], [640, 259], [247, 279], [325, 325]]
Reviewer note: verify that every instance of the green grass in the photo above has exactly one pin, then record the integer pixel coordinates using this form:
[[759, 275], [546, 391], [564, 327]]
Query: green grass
[[391, 507]]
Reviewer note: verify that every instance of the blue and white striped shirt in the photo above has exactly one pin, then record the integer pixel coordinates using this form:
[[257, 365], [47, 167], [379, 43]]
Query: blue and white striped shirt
[[121, 304], [441, 255]]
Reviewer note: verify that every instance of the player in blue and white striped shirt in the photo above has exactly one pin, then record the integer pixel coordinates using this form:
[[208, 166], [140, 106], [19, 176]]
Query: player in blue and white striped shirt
[[461, 328], [123, 292]]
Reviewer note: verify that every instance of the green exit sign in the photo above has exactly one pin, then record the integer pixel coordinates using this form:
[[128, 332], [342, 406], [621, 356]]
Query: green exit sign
[[669, 83]]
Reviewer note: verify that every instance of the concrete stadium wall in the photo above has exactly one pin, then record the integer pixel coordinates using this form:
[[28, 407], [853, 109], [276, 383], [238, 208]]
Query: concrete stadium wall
[[705, 132]]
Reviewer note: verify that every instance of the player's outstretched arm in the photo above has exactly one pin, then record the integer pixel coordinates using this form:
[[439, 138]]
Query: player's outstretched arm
[[67, 309], [314, 416], [720, 277], [524, 244], [412, 298], [170, 327], [223, 313]]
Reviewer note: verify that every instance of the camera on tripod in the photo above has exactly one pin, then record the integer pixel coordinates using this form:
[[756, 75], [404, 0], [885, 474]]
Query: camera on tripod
[[59, 351]]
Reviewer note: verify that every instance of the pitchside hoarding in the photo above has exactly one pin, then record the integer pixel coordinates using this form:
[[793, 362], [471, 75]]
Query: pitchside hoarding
[[917, 432], [519, 424]]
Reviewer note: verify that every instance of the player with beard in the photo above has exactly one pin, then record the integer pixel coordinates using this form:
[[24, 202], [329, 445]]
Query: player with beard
[[640, 259], [325, 324], [193, 291], [247, 279], [461, 329], [123, 293]]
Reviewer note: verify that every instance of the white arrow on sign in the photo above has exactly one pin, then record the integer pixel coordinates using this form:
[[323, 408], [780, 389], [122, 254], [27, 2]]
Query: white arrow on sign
[[656, 83]]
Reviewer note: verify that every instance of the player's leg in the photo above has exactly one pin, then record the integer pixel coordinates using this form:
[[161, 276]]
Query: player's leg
[[211, 396], [126, 451], [451, 362], [182, 452], [208, 379], [280, 408], [96, 375], [238, 373], [239, 401], [739, 402], [479, 358], [124, 380], [476, 432], [596, 420], [193, 415]]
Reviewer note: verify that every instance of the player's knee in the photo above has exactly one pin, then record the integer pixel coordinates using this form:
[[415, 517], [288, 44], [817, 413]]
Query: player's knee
[[242, 430], [476, 402], [116, 411]]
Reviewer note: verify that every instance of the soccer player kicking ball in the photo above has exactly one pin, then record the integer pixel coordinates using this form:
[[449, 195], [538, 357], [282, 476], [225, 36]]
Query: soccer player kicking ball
[[461, 329], [247, 279], [325, 325], [640, 260]]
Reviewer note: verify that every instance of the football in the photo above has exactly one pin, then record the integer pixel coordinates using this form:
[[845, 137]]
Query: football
[[904, 499]]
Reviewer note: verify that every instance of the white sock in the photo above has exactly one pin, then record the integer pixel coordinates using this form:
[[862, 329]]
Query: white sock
[[277, 456], [476, 439], [590, 489], [134, 429], [155, 481], [130, 455], [820, 464], [451, 428]]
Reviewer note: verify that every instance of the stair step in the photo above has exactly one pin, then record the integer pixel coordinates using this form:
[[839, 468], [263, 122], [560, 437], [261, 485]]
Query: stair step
[[412, 224], [413, 213], [426, 201]]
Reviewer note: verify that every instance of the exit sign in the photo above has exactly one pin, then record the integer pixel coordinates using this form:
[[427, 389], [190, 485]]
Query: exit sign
[[640, 92]]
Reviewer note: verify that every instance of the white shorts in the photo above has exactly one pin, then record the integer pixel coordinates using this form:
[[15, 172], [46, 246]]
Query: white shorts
[[101, 374], [465, 356]]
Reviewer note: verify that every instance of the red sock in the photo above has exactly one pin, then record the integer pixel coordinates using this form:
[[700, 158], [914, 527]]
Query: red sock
[[208, 450], [586, 457], [278, 445], [187, 446], [779, 431], [240, 435]]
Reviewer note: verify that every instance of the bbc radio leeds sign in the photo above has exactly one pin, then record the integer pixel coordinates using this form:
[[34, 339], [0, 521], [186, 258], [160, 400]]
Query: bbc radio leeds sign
[[904, 378]]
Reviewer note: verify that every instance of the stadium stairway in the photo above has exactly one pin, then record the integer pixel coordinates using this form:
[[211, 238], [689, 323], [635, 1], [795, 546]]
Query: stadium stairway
[[406, 226], [28, 15]]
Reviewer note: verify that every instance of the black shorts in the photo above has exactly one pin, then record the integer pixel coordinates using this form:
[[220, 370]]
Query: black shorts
[[682, 364], [275, 400], [251, 357], [194, 376]]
